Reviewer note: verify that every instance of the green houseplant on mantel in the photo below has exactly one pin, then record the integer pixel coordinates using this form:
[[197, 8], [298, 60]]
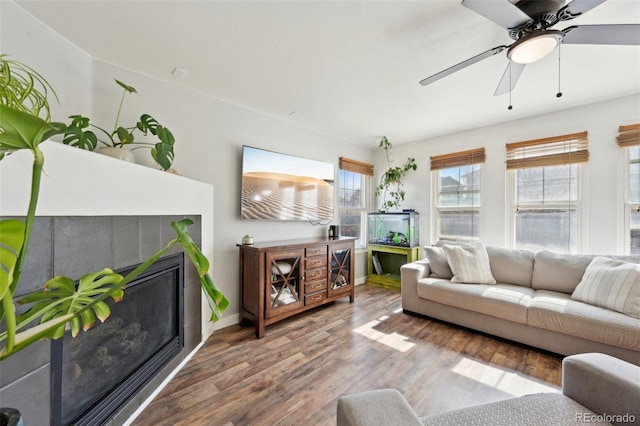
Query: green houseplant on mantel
[[114, 142], [391, 181], [62, 302]]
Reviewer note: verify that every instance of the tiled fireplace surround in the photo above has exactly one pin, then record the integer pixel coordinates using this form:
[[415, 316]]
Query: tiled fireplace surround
[[118, 221], [73, 246]]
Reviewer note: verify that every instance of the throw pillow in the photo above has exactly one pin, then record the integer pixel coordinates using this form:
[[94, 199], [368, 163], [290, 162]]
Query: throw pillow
[[611, 284], [469, 264], [438, 263]]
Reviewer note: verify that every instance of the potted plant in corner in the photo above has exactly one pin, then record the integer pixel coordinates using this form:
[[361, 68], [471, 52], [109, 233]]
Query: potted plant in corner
[[62, 302], [391, 181], [78, 135]]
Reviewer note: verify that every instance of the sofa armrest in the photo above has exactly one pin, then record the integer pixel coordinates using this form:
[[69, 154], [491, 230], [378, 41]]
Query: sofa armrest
[[415, 270], [410, 274], [603, 384], [381, 407]]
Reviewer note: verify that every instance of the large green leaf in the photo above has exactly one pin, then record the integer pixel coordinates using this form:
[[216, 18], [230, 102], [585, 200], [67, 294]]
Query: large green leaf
[[217, 301], [33, 334], [75, 136], [126, 87], [11, 241], [24, 89], [148, 124], [163, 151], [124, 136], [20, 130], [60, 297]]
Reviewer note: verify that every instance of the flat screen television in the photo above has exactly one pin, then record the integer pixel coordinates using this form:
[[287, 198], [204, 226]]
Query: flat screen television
[[278, 186]]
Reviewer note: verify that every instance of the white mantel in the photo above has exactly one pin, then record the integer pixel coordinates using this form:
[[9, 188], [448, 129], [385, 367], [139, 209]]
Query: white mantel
[[82, 183]]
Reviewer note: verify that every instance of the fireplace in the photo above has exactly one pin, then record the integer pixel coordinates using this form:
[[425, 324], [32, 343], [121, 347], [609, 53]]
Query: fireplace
[[96, 373], [121, 218]]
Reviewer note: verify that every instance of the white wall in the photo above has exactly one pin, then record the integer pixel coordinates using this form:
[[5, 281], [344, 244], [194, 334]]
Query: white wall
[[63, 65], [603, 180], [209, 133]]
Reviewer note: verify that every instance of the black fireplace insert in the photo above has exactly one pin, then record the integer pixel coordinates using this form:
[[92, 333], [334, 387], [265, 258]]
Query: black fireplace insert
[[96, 373]]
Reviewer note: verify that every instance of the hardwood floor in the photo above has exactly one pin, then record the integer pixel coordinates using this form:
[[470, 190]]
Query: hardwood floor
[[294, 375]]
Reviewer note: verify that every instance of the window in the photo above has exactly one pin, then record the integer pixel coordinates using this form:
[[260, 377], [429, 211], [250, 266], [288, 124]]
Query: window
[[545, 200], [457, 178], [353, 187], [629, 139]]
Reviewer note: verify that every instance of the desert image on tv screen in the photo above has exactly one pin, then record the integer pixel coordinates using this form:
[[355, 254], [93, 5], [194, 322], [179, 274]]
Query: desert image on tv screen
[[283, 187]]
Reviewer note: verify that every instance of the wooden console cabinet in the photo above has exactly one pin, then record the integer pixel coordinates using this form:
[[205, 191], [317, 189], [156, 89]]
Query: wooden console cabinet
[[282, 278]]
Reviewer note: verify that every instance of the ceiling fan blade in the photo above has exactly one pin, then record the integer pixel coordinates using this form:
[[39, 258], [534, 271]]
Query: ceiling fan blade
[[509, 78], [577, 8], [502, 12], [462, 65], [621, 34]]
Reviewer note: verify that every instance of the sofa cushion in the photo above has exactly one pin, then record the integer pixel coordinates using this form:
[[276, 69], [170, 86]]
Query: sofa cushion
[[378, 407], [469, 264], [558, 272], [611, 284], [438, 262], [504, 301], [557, 312], [536, 409], [511, 266]]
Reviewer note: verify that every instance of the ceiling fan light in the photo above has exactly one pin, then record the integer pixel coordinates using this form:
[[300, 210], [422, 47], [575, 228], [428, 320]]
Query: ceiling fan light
[[534, 46]]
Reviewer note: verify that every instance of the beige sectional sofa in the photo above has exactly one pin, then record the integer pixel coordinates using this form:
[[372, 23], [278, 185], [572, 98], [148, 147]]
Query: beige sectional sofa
[[531, 301]]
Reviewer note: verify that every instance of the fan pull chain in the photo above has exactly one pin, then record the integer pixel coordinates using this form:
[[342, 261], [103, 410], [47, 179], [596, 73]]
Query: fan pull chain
[[559, 94], [510, 107]]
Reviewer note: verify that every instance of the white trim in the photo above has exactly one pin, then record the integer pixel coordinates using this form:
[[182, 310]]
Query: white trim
[[162, 385], [625, 204]]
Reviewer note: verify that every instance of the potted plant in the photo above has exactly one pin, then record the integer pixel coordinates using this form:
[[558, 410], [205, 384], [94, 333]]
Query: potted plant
[[391, 181], [23, 98], [121, 137]]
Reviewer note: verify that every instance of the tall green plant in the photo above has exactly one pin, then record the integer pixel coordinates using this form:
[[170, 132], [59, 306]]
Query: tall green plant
[[62, 301], [78, 135], [391, 181], [23, 88]]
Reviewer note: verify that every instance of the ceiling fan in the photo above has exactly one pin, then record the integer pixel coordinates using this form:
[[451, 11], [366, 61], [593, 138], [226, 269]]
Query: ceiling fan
[[529, 23]]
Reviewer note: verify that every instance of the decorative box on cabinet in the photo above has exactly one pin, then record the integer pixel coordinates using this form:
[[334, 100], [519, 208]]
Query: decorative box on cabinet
[[283, 278]]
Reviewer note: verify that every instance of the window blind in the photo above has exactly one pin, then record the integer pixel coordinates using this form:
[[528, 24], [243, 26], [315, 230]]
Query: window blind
[[629, 135], [356, 166], [552, 151], [457, 159]]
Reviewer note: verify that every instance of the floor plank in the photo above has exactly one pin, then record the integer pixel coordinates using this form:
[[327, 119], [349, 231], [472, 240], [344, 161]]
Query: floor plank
[[294, 375]]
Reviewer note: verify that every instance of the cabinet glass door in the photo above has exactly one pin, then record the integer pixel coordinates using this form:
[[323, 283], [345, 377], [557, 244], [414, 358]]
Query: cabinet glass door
[[283, 292], [341, 273]]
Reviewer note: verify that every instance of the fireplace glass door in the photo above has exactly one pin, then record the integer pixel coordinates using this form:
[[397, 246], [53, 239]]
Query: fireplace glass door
[[99, 369]]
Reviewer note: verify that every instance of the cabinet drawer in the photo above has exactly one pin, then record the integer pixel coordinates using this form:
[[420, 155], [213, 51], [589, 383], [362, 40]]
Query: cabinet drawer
[[315, 286], [315, 274], [315, 262], [316, 297], [316, 251]]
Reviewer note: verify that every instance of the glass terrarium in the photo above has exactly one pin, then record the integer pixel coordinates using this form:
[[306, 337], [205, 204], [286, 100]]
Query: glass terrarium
[[394, 229]]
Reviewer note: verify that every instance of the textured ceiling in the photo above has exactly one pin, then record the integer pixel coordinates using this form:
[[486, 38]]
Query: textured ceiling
[[347, 69]]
